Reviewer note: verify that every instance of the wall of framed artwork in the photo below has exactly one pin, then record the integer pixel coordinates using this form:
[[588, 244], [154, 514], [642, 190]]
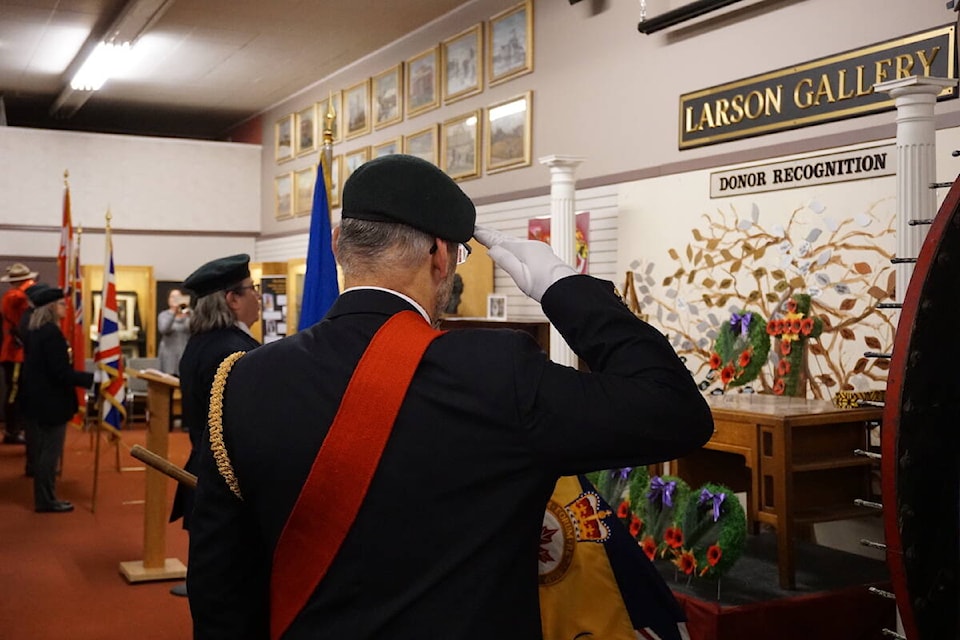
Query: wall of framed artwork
[[356, 105], [507, 133], [460, 146], [283, 196], [283, 138], [351, 161], [334, 182], [422, 80], [303, 184], [305, 125], [462, 59], [423, 144], [510, 43], [387, 89], [387, 148], [335, 98]]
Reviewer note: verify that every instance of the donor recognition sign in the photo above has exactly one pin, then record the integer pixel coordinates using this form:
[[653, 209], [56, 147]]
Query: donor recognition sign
[[802, 172], [832, 88]]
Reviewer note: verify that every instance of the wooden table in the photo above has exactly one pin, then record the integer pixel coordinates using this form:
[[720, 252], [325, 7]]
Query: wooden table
[[797, 467]]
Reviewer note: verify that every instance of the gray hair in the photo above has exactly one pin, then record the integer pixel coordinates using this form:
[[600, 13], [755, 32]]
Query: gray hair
[[365, 246], [43, 315], [211, 312]]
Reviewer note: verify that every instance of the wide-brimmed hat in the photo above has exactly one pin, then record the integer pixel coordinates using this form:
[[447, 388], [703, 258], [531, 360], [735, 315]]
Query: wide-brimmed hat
[[18, 272]]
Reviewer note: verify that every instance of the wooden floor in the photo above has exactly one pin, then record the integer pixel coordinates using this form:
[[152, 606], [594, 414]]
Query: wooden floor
[[59, 573]]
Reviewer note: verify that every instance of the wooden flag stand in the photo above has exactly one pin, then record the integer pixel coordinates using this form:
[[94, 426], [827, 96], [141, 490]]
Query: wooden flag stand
[[155, 566]]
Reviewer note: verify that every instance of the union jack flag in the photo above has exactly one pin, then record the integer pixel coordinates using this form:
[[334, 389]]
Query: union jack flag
[[108, 357]]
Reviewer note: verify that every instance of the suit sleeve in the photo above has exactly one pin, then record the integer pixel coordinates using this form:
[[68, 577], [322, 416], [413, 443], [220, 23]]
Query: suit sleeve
[[57, 360], [637, 405]]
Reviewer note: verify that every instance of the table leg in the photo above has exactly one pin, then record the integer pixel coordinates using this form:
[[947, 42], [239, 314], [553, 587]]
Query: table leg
[[778, 489]]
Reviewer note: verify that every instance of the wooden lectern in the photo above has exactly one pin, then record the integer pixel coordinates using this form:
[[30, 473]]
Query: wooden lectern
[[155, 566]]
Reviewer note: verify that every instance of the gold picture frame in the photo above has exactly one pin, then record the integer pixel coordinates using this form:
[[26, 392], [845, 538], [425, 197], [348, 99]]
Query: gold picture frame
[[304, 182], [351, 161], [507, 133], [388, 97], [283, 138], [460, 146], [510, 43], [356, 105], [462, 60], [423, 144], [333, 199], [337, 98], [283, 196], [305, 126], [394, 145], [422, 81]]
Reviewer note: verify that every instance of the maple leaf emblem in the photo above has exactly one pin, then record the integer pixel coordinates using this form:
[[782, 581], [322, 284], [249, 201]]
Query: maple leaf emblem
[[546, 536]]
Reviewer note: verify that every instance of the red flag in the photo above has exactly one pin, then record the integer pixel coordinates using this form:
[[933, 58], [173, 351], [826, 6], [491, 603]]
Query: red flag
[[68, 279]]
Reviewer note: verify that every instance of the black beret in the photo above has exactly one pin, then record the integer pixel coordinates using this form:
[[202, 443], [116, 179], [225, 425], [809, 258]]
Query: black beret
[[41, 294], [218, 274], [410, 190]]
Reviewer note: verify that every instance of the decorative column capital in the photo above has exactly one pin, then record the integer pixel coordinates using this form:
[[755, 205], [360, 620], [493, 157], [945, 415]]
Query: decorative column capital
[[914, 85], [559, 161]]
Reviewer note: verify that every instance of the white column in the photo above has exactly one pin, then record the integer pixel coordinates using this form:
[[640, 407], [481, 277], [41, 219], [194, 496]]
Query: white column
[[563, 227], [915, 98]]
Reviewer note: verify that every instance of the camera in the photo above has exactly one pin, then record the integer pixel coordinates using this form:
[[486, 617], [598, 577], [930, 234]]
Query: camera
[[183, 307]]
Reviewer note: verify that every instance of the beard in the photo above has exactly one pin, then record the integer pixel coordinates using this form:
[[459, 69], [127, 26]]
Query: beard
[[444, 293]]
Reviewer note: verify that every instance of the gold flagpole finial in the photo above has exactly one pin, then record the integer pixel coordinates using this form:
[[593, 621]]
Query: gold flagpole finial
[[109, 216], [66, 175]]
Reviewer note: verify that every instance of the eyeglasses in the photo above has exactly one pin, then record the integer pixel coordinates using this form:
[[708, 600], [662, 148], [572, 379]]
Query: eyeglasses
[[463, 251], [239, 290]]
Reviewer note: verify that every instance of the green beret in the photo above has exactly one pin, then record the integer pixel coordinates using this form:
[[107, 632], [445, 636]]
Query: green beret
[[412, 191], [218, 275], [42, 294]]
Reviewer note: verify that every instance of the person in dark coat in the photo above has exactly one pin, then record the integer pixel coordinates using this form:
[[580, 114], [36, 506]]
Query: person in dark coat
[[225, 304], [445, 543], [48, 394]]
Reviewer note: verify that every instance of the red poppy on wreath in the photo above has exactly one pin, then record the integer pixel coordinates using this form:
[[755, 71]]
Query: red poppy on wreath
[[791, 305], [783, 367], [713, 555], [785, 347], [744, 359], [687, 562], [623, 510], [649, 547], [806, 326], [727, 374], [779, 386], [673, 536], [715, 361], [636, 524]]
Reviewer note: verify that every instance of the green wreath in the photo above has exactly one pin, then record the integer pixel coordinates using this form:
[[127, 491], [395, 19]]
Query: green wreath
[[715, 532], [741, 348], [792, 330]]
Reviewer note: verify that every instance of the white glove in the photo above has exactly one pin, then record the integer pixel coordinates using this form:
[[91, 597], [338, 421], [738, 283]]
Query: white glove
[[99, 376], [531, 263]]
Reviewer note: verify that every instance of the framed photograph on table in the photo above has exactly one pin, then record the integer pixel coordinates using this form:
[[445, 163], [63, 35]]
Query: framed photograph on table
[[351, 161], [388, 97], [283, 138], [510, 43], [460, 146], [283, 196], [387, 148], [422, 144], [462, 59], [423, 82], [336, 99], [356, 103], [507, 134], [303, 184], [306, 128], [496, 306]]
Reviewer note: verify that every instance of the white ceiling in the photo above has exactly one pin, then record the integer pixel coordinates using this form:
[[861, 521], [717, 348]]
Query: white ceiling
[[203, 66]]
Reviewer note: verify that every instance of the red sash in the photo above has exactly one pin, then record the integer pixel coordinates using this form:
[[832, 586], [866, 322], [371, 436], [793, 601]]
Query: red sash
[[344, 467]]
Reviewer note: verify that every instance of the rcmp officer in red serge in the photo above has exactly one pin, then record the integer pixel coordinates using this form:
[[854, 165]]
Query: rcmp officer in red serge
[[444, 540], [226, 303]]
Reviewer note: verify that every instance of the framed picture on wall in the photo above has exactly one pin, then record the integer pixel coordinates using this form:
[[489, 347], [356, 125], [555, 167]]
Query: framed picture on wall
[[423, 82], [388, 97], [356, 103], [306, 128], [303, 184], [334, 200], [507, 134], [496, 306], [387, 148], [460, 146], [422, 144], [283, 138], [283, 196], [510, 43], [336, 99], [351, 161], [462, 60]]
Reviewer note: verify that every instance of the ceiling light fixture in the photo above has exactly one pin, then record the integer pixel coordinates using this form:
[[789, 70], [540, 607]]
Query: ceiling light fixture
[[107, 60]]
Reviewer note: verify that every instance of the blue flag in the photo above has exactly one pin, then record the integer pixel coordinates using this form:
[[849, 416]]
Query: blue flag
[[320, 287]]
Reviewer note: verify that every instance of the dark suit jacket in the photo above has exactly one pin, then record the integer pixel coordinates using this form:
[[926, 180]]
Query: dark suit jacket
[[48, 379], [198, 365], [445, 544]]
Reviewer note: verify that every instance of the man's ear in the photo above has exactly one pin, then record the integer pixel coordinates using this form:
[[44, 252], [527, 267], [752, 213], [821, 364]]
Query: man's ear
[[440, 259], [335, 241]]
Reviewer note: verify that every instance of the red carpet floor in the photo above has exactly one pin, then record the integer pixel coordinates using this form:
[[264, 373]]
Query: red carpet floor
[[59, 572]]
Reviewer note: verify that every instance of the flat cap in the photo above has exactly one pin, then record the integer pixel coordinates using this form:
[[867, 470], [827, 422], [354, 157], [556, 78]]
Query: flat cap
[[410, 190], [41, 294], [218, 275]]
